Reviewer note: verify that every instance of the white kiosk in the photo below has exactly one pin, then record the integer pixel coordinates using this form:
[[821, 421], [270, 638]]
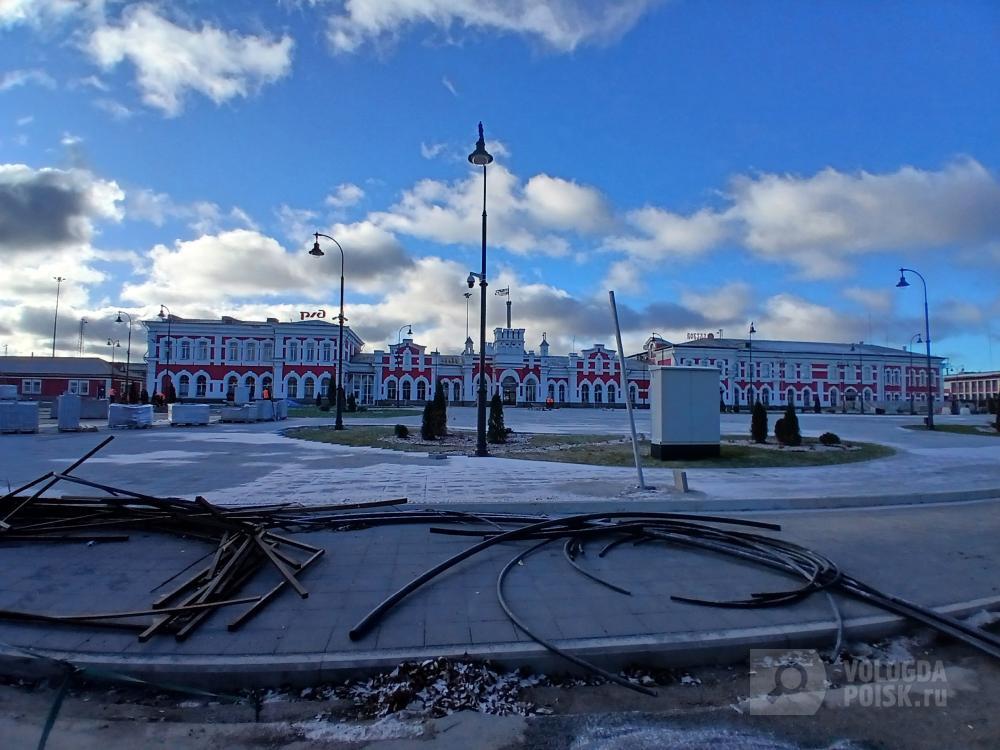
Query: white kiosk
[[684, 406]]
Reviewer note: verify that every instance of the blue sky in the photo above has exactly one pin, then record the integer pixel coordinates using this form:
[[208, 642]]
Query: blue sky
[[713, 163]]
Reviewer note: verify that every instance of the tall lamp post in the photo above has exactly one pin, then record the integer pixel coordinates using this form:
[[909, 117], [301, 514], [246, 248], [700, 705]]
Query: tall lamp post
[[128, 356], [55, 320], [317, 253], [467, 295], [909, 374], [168, 384], [750, 333], [113, 344], [902, 283], [481, 158]]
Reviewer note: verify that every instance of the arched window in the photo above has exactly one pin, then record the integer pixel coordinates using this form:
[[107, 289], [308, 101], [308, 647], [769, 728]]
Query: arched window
[[421, 390], [834, 395], [390, 390], [406, 390], [531, 391], [790, 396], [324, 385], [185, 385], [251, 383], [552, 391], [293, 387], [231, 384], [265, 385], [456, 391], [201, 386], [598, 393], [612, 393], [585, 393], [633, 393], [185, 350], [251, 351], [562, 393], [807, 397], [309, 388]]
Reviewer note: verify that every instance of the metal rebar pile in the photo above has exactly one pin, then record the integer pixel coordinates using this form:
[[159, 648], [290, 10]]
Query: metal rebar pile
[[247, 539]]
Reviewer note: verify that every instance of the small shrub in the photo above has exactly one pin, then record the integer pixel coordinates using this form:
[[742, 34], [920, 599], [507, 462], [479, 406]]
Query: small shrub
[[758, 423], [829, 438], [324, 407], [736, 406], [496, 432], [352, 403], [786, 429], [816, 406], [401, 431]]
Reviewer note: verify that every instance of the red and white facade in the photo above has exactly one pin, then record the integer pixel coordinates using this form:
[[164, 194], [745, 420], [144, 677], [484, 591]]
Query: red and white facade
[[207, 358], [800, 372]]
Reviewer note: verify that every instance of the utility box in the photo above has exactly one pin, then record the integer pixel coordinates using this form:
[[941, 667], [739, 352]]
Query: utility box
[[684, 406]]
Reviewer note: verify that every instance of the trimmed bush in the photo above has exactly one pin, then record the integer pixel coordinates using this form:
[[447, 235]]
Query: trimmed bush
[[816, 406], [758, 423], [496, 432], [786, 429], [401, 431], [435, 421], [352, 403], [829, 438]]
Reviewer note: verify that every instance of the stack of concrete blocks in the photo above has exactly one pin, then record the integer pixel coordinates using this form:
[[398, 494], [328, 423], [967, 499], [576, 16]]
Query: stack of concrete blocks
[[18, 416], [265, 410], [281, 409], [126, 415], [68, 412], [193, 414], [241, 395], [245, 413], [684, 407]]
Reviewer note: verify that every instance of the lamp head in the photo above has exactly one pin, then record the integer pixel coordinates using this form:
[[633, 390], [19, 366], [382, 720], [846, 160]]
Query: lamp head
[[409, 330], [480, 157], [919, 339], [902, 280], [119, 318], [752, 329], [316, 250], [471, 281]]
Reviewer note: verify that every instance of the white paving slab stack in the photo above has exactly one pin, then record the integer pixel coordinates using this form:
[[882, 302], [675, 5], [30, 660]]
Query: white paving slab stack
[[18, 416], [195, 414], [127, 415], [684, 407], [68, 410]]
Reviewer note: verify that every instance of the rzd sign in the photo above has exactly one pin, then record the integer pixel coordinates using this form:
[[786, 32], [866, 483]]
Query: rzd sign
[[306, 315]]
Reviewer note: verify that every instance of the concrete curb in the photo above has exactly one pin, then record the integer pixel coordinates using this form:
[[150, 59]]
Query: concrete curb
[[668, 650]]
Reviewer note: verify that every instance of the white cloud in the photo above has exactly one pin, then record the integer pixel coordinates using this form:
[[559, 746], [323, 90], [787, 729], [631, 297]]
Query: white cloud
[[116, 109], [244, 265], [433, 150], [873, 300], [37, 12], [171, 60], [25, 121], [561, 25], [852, 213], [446, 82], [523, 219], [663, 234], [15, 78], [820, 224], [69, 140], [204, 217], [345, 195], [625, 276], [724, 305], [566, 205]]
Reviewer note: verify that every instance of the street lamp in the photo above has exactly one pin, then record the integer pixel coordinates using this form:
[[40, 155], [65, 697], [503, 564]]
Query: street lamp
[[317, 253], [168, 385], [55, 320], [481, 158], [399, 333], [128, 356], [750, 333], [909, 374], [902, 283], [113, 344]]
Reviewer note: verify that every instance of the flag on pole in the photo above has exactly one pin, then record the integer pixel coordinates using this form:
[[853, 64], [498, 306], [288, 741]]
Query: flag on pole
[[502, 292]]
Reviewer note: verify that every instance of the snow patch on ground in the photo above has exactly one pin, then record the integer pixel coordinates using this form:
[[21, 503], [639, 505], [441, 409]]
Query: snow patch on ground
[[387, 728], [654, 737]]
